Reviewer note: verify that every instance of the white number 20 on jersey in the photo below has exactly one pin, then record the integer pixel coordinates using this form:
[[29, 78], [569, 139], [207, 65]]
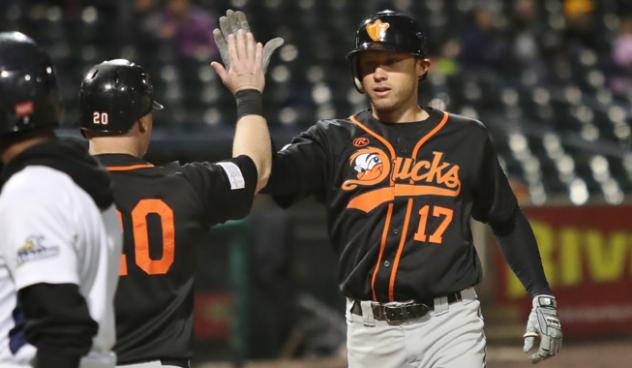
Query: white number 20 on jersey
[[100, 118]]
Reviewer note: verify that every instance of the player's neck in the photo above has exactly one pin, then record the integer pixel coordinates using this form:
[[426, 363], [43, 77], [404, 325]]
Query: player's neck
[[405, 115], [116, 145]]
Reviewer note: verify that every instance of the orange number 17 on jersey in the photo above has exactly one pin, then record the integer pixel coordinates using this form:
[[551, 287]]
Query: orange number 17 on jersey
[[140, 230], [437, 236]]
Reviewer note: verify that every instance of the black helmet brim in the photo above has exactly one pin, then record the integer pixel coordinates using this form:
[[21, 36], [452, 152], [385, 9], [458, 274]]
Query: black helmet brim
[[378, 46], [155, 105]]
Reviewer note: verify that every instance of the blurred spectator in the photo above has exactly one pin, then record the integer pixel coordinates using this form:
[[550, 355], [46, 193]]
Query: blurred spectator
[[525, 38], [296, 323], [574, 9], [9, 14], [483, 46], [623, 6], [274, 290], [581, 24], [446, 63], [622, 50], [190, 29], [621, 83], [526, 45], [148, 20]]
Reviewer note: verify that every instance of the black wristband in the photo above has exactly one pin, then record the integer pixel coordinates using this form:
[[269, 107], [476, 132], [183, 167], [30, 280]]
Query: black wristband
[[249, 102]]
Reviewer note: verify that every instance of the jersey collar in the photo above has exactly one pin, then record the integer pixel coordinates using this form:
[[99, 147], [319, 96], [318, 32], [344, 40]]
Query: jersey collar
[[434, 117], [122, 162]]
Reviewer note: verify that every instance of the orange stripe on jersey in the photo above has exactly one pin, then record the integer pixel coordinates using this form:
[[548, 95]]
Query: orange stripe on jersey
[[382, 246], [405, 190], [434, 131], [385, 192], [123, 269], [367, 202], [400, 249], [384, 141], [129, 167], [402, 243]]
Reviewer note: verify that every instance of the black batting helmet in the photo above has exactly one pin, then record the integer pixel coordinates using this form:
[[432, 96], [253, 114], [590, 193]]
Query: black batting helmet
[[28, 89], [386, 30], [114, 95]]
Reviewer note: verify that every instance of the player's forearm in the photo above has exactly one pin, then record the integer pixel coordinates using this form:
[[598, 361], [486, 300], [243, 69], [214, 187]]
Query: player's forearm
[[252, 138], [519, 247]]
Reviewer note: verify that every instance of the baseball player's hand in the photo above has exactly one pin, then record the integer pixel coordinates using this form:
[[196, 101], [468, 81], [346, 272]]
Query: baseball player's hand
[[232, 22], [543, 324], [246, 63]]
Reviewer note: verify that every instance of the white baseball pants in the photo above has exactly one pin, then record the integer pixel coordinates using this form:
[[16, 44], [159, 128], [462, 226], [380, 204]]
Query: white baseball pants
[[450, 336]]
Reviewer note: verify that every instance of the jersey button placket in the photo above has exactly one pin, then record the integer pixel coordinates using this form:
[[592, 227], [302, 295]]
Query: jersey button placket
[[387, 263]]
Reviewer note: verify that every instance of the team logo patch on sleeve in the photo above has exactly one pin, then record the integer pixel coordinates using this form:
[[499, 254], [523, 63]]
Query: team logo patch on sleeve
[[234, 174], [34, 248]]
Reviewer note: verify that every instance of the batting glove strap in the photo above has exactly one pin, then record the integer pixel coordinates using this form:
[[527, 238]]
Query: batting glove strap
[[544, 301]]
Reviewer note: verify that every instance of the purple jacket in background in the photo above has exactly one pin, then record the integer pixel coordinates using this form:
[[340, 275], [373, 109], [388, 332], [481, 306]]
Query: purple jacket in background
[[192, 36]]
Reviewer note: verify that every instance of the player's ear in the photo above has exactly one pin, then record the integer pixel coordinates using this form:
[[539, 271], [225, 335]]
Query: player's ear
[[140, 125], [144, 124], [358, 84], [422, 67]]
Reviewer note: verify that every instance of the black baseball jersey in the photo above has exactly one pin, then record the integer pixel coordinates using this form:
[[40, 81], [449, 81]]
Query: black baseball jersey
[[399, 198], [165, 213]]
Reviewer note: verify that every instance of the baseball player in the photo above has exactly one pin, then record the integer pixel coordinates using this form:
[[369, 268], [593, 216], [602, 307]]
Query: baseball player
[[400, 183], [165, 211], [59, 240]]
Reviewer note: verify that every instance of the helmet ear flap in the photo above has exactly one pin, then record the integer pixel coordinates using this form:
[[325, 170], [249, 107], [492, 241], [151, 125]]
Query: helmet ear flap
[[358, 84]]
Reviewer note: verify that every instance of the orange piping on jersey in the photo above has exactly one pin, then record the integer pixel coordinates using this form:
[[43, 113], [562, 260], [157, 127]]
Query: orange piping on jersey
[[367, 202], [382, 246], [119, 215], [388, 145], [387, 222], [425, 138], [123, 269], [128, 168], [400, 249], [402, 243]]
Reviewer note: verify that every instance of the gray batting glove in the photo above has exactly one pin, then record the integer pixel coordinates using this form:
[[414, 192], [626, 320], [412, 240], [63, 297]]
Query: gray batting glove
[[231, 23], [543, 324], [246, 68]]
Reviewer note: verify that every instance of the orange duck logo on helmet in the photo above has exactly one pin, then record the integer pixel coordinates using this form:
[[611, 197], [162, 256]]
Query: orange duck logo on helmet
[[377, 30]]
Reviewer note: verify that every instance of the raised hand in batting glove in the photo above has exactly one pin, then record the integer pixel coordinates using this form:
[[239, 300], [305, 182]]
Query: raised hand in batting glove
[[246, 63], [232, 22], [543, 325]]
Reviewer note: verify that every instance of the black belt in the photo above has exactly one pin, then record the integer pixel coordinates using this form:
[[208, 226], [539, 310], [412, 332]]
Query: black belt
[[184, 363], [395, 314]]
